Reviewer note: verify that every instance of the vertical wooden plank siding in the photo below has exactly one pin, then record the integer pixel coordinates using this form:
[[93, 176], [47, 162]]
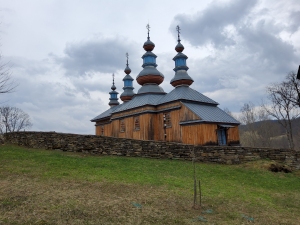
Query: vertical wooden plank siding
[[152, 127], [233, 134], [199, 134]]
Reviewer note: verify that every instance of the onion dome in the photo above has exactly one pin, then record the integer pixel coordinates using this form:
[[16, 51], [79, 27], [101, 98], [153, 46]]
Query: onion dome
[[128, 88], [149, 76], [181, 76], [113, 95]]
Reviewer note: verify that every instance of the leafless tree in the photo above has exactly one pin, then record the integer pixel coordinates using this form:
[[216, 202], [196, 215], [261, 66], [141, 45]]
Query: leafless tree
[[259, 128], [13, 119], [7, 84], [294, 85], [284, 104]]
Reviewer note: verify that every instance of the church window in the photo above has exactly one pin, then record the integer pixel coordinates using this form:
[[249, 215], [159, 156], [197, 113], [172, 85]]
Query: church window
[[102, 130], [122, 125], [167, 120], [136, 123]]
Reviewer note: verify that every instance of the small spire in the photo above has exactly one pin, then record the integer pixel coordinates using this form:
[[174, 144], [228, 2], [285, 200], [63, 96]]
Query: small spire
[[128, 93], [178, 30], [113, 87], [148, 28], [181, 76]]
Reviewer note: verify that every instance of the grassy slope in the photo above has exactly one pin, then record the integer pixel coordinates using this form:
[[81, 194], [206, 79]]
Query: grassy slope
[[51, 187]]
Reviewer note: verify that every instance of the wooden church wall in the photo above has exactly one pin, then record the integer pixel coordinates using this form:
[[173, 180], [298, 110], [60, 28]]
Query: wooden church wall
[[186, 114], [152, 127], [233, 135], [199, 134]]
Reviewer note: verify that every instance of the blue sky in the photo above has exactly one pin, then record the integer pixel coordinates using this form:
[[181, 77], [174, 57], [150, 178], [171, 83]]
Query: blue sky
[[62, 53]]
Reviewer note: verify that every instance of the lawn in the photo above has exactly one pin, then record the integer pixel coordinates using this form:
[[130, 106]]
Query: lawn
[[54, 187]]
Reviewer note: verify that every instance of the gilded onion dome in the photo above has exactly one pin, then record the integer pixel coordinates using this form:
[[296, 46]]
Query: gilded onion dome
[[128, 88], [181, 76], [149, 77], [113, 95]]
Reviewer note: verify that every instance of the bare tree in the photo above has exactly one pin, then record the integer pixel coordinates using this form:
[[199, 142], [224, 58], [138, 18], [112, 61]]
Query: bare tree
[[284, 104], [294, 85], [7, 85], [13, 119], [259, 128]]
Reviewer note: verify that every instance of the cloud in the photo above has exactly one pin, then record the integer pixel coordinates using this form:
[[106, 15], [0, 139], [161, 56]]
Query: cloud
[[210, 25], [294, 21], [97, 54], [263, 43]]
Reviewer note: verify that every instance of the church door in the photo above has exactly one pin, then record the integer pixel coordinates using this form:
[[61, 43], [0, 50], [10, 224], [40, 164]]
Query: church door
[[222, 136]]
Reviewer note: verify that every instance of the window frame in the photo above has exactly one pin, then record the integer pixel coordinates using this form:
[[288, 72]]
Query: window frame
[[122, 125], [136, 121], [167, 120]]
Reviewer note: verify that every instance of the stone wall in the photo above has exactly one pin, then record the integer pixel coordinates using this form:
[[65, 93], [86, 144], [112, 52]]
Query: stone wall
[[152, 149]]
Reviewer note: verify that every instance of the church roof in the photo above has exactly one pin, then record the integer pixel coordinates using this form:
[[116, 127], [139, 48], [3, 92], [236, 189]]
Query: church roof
[[140, 100], [186, 93], [209, 113], [106, 113]]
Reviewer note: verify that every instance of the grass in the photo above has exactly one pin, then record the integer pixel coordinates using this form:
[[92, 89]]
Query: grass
[[53, 187]]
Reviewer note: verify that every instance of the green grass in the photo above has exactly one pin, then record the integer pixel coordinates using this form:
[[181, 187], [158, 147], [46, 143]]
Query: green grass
[[230, 190]]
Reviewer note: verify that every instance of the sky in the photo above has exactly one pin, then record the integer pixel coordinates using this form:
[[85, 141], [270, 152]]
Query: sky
[[62, 53]]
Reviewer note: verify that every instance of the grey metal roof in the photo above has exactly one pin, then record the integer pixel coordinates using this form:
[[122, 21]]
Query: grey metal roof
[[180, 55], [149, 54], [127, 77], [181, 75], [185, 93], [140, 100], [209, 113], [150, 88], [106, 113], [148, 42], [150, 70]]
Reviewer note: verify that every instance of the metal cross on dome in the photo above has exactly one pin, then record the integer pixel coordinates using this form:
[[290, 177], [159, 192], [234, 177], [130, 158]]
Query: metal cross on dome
[[127, 57], [113, 75], [148, 28], [178, 30]]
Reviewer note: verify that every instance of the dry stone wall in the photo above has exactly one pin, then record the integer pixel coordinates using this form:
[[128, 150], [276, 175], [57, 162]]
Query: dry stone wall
[[152, 149]]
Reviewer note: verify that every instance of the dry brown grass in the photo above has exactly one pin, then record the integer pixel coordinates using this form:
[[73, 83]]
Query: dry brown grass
[[26, 200]]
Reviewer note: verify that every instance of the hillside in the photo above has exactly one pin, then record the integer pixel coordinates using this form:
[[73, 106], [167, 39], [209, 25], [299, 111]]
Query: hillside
[[269, 129], [53, 187]]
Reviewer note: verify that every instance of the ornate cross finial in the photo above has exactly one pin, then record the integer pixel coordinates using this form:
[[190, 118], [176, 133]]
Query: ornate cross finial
[[148, 28], [178, 30], [113, 75], [127, 57]]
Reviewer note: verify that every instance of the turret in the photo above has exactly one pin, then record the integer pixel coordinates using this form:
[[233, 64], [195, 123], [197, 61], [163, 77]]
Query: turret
[[181, 76], [149, 77], [128, 88], [113, 95]]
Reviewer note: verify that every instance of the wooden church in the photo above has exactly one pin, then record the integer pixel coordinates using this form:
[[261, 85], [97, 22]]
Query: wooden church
[[183, 115]]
